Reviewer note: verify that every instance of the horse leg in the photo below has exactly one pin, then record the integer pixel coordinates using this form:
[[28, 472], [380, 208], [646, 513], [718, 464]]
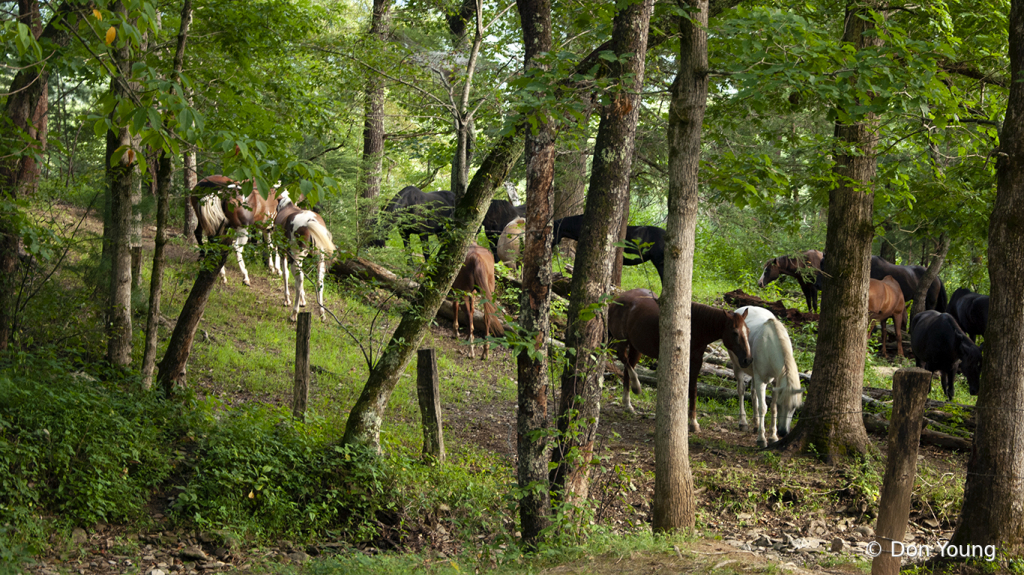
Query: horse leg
[[320, 269], [696, 359], [300, 282], [286, 260], [471, 311], [273, 260], [240, 241], [775, 413], [487, 329], [947, 383], [630, 357], [455, 322], [760, 408], [741, 385], [897, 322], [809, 293], [298, 290]]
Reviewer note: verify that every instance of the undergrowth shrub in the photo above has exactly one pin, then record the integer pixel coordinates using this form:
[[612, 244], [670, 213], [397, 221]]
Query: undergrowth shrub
[[73, 445]]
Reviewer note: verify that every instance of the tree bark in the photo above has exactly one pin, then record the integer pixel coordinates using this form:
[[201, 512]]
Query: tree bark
[[373, 123], [364, 421], [674, 505], [535, 299], [190, 178], [920, 296], [832, 426], [993, 508], [156, 281], [571, 169], [579, 404]]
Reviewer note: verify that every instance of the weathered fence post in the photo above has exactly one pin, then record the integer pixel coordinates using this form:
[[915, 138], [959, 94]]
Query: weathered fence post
[[910, 390], [300, 395], [429, 392]]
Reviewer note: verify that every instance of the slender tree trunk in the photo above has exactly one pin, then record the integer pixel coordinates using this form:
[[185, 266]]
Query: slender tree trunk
[[623, 224], [373, 123], [832, 425], [535, 300], [921, 295], [571, 169], [190, 178], [364, 421], [163, 179], [993, 508], [579, 404], [674, 505]]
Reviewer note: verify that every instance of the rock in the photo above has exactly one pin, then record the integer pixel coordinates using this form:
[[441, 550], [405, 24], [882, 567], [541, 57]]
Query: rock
[[156, 572], [807, 543], [149, 557], [744, 516], [169, 539], [79, 536], [816, 528], [210, 565], [298, 557], [839, 545], [763, 541], [193, 554], [864, 531]]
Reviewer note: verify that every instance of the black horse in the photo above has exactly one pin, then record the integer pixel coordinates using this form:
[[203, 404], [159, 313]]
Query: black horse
[[643, 243], [938, 344], [499, 214], [970, 310], [908, 277], [415, 212]]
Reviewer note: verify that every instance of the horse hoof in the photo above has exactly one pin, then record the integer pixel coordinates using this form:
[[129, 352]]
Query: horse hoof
[[246, 282], [762, 443], [744, 427], [694, 427]]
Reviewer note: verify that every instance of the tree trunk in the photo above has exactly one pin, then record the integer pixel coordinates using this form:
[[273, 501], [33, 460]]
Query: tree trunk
[[674, 505], [364, 421], [993, 508], [190, 178], [373, 123], [623, 223], [579, 404], [832, 426], [535, 299], [163, 179], [571, 170], [921, 295]]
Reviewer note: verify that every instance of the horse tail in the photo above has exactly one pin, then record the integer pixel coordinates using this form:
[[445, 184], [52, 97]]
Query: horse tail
[[790, 370], [212, 215], [321, 236], [940, 304], [486, 285]]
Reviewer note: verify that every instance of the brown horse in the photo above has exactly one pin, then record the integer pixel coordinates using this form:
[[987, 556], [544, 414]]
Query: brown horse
[[304, 230], [477, 273], [885, 300], [806, 268], [633, 329]]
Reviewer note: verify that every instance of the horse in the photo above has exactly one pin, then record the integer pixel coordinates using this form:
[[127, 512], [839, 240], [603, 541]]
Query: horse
[[477, 274], [970, 310], [633, 330], [908, 278], [415, 212], [772, 354], [218, 211], [885, 300], [939, 344], [643, 243], [510, 242], [304, 230], [799, 267], [499, 214]]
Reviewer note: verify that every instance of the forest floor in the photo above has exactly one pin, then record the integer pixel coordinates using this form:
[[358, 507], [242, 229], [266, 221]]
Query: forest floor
[[758, 511]]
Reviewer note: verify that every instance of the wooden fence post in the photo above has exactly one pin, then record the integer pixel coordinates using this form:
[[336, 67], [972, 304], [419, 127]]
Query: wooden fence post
[[300, 395], [429, 392], [910, 390]]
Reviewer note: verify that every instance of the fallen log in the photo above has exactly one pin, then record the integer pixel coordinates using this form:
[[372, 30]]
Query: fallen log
[[879, 393], [877, 424]]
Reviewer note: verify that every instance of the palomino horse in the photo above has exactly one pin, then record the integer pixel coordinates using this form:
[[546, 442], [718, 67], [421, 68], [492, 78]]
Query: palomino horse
[[498, 215], [940, 345], [970, 310], [908, 278], [304, 230], [415, 212], [643, 243], [772, 354], [477, 274], [806, 268], [510, 242], [885, 300], [633, 329]]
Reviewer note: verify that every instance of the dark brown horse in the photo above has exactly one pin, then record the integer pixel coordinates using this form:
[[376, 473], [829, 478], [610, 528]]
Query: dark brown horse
[[806, 268], [885, 300], [477, 274], [633, 330], [303, 230]]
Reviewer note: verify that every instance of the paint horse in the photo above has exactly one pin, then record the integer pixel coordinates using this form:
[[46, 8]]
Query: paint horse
[[885, 300], [219, 206], [643, 243], [415, 213], [805, 268], [970, 310], [510, 242], [477, 274], [772, 354], [303, 231], [633, 330], [940, 345]]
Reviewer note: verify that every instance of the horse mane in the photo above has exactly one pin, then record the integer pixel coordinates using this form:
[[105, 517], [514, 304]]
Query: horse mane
[[788, 391], [711, 319], [213, 214]]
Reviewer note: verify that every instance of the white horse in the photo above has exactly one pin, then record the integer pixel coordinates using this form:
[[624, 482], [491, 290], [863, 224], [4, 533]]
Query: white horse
[[772, 355]]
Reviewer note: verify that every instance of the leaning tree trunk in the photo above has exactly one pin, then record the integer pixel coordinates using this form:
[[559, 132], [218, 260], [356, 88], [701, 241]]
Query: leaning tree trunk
[[921, 295], [579, 404], [364, 421], [373, 122], [832, 425], [163, 185], [674, 506], [535, 299], [993, 508]]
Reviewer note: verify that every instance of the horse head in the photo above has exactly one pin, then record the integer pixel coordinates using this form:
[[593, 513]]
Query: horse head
[[770, 274], [736, 337], [789, 399], [970, 362]]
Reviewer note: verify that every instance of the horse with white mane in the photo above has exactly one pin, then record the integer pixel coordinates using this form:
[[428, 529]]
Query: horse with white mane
[[772, 354]]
